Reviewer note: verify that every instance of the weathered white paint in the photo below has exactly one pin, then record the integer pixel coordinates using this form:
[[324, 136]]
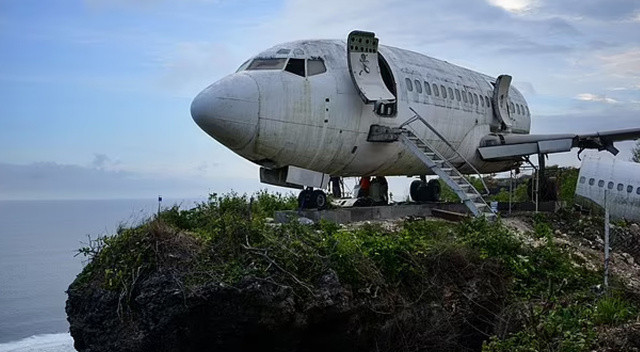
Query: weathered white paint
[[321, 123], [600, 173]]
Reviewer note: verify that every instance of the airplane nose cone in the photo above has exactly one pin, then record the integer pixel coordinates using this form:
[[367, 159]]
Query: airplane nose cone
[[228, 110]]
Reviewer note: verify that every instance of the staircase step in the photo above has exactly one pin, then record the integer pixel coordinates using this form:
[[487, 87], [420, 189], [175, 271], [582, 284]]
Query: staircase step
[[449, 174]]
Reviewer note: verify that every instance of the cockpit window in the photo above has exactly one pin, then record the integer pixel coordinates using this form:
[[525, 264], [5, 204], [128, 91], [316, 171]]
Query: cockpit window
[[315, 67], [295, 66], [267, 64], [243, 66]]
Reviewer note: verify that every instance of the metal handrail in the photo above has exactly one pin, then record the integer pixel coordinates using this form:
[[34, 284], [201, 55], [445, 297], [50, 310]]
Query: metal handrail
[[417, 117]]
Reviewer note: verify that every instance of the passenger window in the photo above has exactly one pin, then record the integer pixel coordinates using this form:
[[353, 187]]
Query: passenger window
[[629, 188], [458, 94], [427, 88], [470, 98], [638, 190], [518, 109], [409, 84], [610, 185], [267, 64], [444, 91], [435, 90], [620, 186], [315, 67], [464, 96], [418, 86], [528, 112], [512, 108], [583, 179], [488, 101], [450, 93], [481, 101], [592, 181], [475, 98], [601, 183], [295, 66]]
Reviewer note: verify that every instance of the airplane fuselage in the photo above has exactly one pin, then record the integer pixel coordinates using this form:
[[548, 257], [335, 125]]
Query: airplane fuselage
[[615, 184], [276, 113]]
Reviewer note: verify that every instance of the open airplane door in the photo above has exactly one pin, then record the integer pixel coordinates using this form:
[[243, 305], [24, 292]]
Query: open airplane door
[[501, 100], [362, 50]]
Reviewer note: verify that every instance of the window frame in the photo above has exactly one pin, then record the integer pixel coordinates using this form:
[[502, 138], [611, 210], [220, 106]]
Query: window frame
[[427, 87], [296, 60], [282, 64], [316, 59]]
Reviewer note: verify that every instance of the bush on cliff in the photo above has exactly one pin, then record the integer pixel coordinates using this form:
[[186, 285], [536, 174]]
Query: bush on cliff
[[423, 284]]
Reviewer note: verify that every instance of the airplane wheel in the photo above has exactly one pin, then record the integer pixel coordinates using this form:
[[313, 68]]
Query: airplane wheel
[[319, 198], [418, 191], [305, 199], [433, 190], [413, 190]]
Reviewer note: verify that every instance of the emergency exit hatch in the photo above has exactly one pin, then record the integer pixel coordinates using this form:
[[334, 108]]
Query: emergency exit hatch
[[367, 75]]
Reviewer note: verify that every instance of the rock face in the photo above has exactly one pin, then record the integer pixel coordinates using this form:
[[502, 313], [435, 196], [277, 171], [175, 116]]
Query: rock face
[[162, 317], [260, 315]]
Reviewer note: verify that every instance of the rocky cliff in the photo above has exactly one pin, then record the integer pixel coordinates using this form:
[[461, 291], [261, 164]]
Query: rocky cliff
[[221, 277]]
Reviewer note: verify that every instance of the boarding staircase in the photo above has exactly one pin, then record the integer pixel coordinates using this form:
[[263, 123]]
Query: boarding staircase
[[442, 167]]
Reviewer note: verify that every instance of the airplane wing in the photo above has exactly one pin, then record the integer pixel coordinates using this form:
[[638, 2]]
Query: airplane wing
[[497, 146]]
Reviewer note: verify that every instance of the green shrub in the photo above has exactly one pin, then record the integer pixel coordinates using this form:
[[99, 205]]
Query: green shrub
[[612, 310]]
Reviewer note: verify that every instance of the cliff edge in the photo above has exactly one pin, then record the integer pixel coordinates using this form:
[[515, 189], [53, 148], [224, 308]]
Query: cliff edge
[[222, 277]]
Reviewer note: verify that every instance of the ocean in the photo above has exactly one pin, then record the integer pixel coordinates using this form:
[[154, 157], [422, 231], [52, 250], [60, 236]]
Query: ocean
[[38, 246]]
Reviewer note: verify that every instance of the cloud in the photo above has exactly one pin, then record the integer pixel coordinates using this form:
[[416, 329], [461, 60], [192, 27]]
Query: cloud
[[50, 180], [596, 98], [601, 10], [103, 162], [625, 63], [515, 6]]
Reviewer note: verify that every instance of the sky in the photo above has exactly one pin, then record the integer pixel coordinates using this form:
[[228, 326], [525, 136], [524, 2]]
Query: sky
[[95, 94]]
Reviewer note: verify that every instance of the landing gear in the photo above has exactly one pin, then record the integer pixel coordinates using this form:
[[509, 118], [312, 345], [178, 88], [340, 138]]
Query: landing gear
[[422, 191], [319, 198], [310, 199]]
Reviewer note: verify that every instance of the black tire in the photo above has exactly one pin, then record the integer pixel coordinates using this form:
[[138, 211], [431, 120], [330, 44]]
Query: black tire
[[319, 198], [414, 190], [305, 200], [433, 190]]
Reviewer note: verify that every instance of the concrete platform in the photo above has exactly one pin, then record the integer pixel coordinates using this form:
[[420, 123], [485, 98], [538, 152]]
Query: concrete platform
[[397, 211], [355, 214]]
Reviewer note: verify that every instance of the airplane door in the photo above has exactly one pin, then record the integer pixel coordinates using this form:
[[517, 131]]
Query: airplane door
[[364, 67], [501, 100]]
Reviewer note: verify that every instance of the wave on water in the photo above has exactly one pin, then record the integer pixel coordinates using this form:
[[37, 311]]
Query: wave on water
[[40, 343]]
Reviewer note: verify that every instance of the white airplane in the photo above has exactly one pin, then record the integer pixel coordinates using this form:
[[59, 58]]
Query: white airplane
[[619, 179], [308, 110]]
